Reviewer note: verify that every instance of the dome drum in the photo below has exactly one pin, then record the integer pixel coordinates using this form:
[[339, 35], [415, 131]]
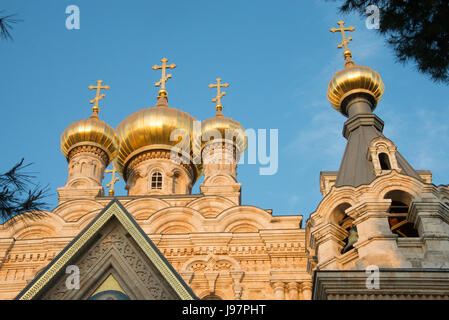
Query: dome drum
[[226, 131], [160, 152], [92, 148]]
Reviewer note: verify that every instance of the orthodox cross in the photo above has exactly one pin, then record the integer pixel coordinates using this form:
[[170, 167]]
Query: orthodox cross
[[164, 78], [98, 97], [342, 29], [220, 94], [113, 180]]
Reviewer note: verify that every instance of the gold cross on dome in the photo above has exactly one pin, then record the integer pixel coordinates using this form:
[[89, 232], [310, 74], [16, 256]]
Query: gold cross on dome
[[220, 94], [342, 29], [164, 78], [98, 97], [113, 180]]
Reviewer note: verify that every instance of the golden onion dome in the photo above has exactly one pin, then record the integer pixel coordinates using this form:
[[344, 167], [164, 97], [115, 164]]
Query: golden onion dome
[[354, 79], [90, 131], [228, 129], [220, 127], [154, 128]]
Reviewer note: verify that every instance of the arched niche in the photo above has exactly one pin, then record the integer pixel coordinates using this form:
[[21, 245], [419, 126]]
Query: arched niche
[[340, 218], [398, 211]]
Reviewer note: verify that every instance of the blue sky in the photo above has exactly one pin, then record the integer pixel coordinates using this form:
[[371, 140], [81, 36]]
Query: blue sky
[[278, 57]]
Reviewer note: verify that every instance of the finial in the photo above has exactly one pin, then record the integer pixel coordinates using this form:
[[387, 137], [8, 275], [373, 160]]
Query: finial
[[164, 78], [95, 108], [113, 180], [220, 94], [347, 54]]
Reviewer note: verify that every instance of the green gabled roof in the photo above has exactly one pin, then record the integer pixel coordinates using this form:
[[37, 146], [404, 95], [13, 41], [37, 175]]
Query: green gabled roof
[[113, 210]]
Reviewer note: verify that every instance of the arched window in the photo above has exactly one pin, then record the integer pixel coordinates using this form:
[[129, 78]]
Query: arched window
[[339, 217], [400, 203], [348, 224], [384, 161], [156, 180]]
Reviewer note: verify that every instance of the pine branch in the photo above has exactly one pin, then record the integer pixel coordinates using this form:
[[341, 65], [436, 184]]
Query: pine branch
[[6, 23]]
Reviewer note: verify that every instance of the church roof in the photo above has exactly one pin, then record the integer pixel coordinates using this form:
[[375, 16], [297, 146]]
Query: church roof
[[111, 247], [356, 169]]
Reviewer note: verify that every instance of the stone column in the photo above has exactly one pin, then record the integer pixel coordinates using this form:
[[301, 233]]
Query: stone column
[[279, 290], [430, 216], [306, 290], [293, 293], [328, 239]]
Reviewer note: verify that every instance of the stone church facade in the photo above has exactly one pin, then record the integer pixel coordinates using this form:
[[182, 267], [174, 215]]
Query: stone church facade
[[377, 214]]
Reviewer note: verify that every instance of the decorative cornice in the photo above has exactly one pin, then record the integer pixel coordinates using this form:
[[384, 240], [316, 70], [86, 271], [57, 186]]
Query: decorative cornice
[[157, 154], [91, 149], [364, 119], [327, 232], [433, 210], [366, 210]]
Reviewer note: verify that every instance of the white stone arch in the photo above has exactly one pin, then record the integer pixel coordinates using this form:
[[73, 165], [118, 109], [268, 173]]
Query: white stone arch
[[219, 179], [80, 183], [243, 225], [35, 232], [143, 208], [46, 227], [396, 181], [231, 217], [208, 271], [333, 199], [83, 221], [176, 227], [207, 261], [170, 216], [73, 210], [210, 206]]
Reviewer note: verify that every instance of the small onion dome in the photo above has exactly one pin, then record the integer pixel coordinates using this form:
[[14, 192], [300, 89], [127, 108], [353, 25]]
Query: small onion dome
[[92, 132], [154, 129], [228, 129], [354, 79]]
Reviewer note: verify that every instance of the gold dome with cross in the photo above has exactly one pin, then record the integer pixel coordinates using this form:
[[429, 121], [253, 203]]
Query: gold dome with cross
[[155, 128], [225, 128], [352, 78], [91, 131]]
